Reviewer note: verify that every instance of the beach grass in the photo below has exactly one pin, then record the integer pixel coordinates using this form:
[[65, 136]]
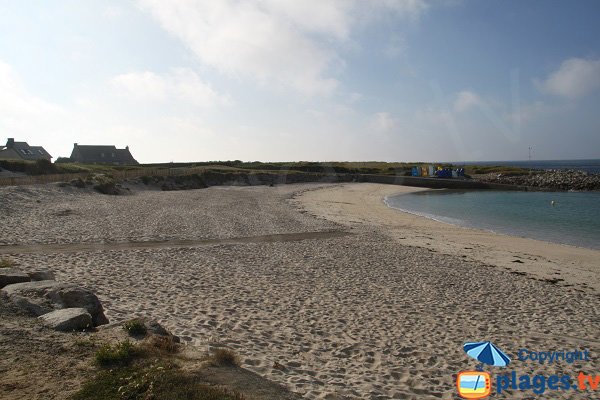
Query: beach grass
[[158, 380], [146, 370], [121, 353], [225, 358], [135, 327]]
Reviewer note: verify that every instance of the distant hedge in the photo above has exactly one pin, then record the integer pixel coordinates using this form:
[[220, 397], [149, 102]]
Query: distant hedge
[[38, 167]]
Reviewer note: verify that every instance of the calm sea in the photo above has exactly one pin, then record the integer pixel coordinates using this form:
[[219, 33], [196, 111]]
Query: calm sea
[[589, 166], [573, 219]]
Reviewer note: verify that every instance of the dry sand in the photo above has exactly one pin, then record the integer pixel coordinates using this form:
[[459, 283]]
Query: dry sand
[[364, 204], [375, 314]]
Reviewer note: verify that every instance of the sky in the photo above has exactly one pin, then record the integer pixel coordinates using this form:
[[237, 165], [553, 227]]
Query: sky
[[310, 80]]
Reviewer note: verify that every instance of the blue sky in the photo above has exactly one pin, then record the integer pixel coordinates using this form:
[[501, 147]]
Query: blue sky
[[283, 80]]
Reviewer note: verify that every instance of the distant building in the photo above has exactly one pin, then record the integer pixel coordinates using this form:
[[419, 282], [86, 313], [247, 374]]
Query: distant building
[[101, 155], [22, 151]]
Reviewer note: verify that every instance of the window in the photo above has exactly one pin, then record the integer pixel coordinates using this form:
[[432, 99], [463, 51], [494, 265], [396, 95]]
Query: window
[[41, 152], [113, 155], [102, 155], [23, 151]]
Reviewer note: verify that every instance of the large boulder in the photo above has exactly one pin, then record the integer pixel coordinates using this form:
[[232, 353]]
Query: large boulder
[[68, 319], [9, 276], [42, 297]]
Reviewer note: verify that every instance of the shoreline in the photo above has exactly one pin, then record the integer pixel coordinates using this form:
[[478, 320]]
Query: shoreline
[[544, 260], [441, 219]]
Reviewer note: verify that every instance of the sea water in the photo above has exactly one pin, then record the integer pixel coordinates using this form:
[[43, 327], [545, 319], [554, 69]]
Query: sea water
[[562, 217]]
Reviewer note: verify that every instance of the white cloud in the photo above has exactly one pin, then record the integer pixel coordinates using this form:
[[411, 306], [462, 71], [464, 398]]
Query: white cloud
[[575, 78], [180, 84], [465, 100], [271, 41], [383, 122], [22, 112]]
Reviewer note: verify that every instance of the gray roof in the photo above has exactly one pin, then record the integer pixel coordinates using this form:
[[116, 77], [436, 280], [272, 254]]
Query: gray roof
[[28, 152], [101, 154]]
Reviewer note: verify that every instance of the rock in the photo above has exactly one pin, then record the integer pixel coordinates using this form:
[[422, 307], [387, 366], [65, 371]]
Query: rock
[[155, 328], [68, 319], [41, 275], [9, 276], [42, 297]]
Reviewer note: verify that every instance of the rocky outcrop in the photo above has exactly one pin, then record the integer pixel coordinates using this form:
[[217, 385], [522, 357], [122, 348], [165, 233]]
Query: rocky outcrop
[[42, 297], [68, 319], [552, 180], [9, 276]]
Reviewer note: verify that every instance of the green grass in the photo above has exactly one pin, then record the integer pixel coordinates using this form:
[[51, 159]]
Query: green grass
[[119, 354], [504, 170], [135, 327], [145, 380], [145, 371], [44, 167]]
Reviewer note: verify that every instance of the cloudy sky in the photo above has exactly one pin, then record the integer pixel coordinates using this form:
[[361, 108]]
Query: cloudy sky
[[283, 80]]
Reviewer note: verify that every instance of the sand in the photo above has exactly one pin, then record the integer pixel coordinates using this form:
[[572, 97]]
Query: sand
[[357, 306], [362, 204]]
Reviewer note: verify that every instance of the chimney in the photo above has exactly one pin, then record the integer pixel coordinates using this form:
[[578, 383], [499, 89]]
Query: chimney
[[74, 144], [10, 142], [126, 147]]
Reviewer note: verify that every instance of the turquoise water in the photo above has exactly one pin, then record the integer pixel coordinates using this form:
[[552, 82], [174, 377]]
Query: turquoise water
[[574, 219]]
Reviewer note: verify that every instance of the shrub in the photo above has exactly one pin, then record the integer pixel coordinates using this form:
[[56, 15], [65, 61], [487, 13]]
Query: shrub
[[40, 167], [225, 358], [160, 381], [14, 165], [135, 327], [121, 353], [165, 344]]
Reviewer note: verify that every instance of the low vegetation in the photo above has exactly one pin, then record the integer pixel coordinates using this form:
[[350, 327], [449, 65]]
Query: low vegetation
[[163, 344], [504, 170], [225, 358], [150, 380], [118, 354], [148, 370], [45, 167], [135, 327]]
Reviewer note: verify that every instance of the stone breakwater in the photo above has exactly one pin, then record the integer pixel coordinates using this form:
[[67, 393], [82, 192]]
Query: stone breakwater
[[551, 179]]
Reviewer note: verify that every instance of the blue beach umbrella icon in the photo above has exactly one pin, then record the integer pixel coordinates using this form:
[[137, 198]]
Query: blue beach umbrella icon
[[486, 353]]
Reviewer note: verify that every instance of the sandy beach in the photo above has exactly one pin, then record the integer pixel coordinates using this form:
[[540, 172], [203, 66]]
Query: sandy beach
[[319, 287]]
